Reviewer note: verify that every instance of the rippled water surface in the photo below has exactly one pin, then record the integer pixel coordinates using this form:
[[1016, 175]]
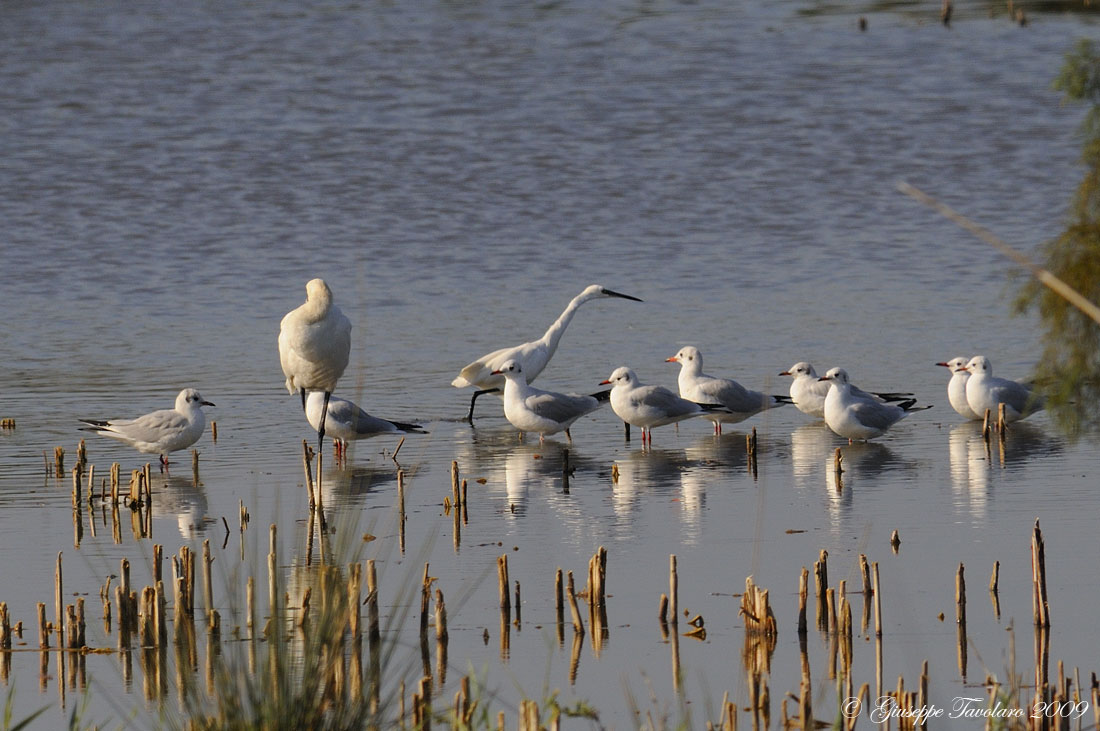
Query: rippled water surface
[[173, 174]]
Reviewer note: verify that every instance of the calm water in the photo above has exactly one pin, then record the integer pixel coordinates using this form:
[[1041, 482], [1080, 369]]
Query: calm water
[[172, 175]]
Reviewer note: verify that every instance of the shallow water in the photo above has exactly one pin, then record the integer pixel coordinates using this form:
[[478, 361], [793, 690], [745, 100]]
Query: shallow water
[[173, 176]]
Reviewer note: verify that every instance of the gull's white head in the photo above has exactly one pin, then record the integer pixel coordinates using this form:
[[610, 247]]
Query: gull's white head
[[689, 357], [802, 368], [510, 369], [979, 364], [955, 365], [622, 376], [839, 376], [190, 398]]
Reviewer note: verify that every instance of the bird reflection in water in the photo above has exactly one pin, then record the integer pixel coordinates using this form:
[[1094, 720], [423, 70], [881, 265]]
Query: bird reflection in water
[[974, 458], [184, 498], [348, 486]]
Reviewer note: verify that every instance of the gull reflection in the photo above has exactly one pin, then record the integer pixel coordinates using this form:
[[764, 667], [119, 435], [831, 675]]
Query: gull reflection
[[181, 497], [524, 468], [975, 459], [719, 450], [346, 486], [863, 463], [529, 466], [693, 498], [811, 445], [970, 470], [645, 470]]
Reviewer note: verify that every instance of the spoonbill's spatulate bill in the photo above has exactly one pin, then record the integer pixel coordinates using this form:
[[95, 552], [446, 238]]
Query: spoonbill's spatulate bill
[[531, 356], [858, 417], [160, 432], [986, 391], [808, 391], [699, 387], [314, 344], [649, 406], [346, 421], [547, 412], [956, 387]]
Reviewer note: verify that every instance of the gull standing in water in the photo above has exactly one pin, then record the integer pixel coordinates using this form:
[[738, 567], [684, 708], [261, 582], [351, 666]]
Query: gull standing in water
[[699, 387], [985, 391], [650, 406], [160, 432], [532, 356], [856, 417], [346, 421], [808, 392], [314, 344], [547, 412], [956, 387]]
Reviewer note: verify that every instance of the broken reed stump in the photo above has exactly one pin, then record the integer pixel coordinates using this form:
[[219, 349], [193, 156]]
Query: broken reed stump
[[571, 594], [821, 587], [803, 595], [58, 607], [440, 617], [865, 572], [207, 582], [355, 596], [456, 492], [1039, 602], [878, 600], [559, 595], [673, 589], [78, 490], [401, 509], [757, 611], [5, 627], [373, 632], [960, 596], [425, 600], [994, 583], [518, 605], [503, 584], [597, 577]]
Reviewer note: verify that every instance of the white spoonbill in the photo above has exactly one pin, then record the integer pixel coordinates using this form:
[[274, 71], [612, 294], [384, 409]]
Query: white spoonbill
[[532, 356], [649, 406], [956, 387], [856, 417], [808, 392], [547, 412], [160, 432], [314, 344], [346, 421], [699, 387], [985, 391]]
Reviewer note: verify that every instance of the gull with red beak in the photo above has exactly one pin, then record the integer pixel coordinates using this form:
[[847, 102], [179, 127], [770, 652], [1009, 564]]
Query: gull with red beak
[[984, 391], [650, 406], [547, 412], [740, 402], [855, 417], [956, 387]]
